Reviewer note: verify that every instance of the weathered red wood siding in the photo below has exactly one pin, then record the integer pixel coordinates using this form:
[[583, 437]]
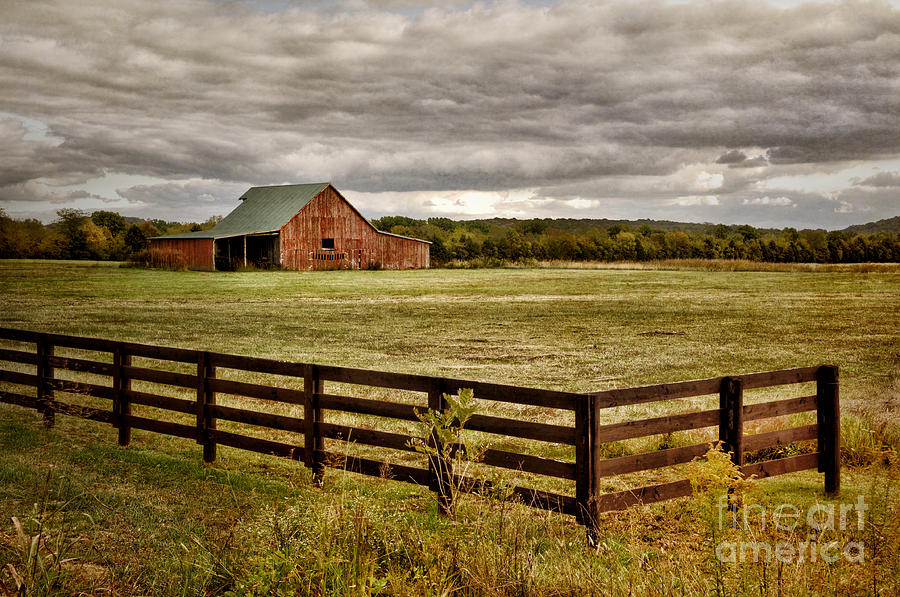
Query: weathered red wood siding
[[198, 252], [357, 245]]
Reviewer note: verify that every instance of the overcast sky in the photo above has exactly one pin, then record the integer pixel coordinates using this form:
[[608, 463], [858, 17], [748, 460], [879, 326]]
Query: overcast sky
[[774, 114]]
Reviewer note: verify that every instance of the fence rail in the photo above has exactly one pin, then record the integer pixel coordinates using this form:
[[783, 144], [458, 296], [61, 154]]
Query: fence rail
[[587, 436]]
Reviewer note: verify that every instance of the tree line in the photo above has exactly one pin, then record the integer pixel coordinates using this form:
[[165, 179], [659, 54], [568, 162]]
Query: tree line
[[75, 234], [501, 240], [107, 235]]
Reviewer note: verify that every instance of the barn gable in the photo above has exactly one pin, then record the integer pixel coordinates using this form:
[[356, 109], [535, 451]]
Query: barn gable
[[308, 226]]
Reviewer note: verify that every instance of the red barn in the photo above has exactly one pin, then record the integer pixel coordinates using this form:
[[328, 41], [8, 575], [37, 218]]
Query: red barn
[[302, 227]]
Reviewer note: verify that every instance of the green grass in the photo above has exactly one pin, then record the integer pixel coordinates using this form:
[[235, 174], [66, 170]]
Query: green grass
[[151, 519]]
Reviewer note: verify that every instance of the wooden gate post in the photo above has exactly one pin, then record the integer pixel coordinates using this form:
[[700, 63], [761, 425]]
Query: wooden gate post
[[583, 470], [441, 467], [121, 386], [45, 375], [828, 413], [206, 400], [731, 426], [312, 415]]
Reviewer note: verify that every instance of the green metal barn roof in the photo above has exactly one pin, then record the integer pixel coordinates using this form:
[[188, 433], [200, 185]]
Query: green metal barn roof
[[262, 209]]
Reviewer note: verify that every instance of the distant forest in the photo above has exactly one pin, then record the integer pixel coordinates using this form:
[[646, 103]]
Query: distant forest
[[510, 240], [106, 235]]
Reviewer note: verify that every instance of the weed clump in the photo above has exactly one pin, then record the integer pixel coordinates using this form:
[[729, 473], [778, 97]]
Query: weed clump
[[46, 555], [866, 442], [450, 453]]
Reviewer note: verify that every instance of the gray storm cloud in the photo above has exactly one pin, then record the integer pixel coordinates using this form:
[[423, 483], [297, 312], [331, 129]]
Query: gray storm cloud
[[399, 97], [882, 179]]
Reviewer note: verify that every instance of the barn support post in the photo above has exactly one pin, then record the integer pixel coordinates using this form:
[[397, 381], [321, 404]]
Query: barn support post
[[440, 466], [45, 375], [731, 425], [206, 400], [313, 442], [829, 427], [245, 250], [583, 448], [121, 387]]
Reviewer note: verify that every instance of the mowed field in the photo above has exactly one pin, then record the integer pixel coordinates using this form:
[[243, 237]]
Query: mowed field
[[160, 522], [574, 330]]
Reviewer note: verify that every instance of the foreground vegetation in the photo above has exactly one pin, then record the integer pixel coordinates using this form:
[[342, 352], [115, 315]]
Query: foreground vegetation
[[151, 519]]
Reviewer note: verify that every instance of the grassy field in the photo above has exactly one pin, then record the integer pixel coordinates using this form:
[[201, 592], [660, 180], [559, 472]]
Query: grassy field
[[151, 519]]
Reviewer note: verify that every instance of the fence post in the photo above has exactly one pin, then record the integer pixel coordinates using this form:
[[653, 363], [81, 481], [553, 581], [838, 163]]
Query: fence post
[[583, 434], [731, 426], [312, 415], [121, 385], [45, 374], [206, 399], [593, 479], [829, 419], [441, 468]]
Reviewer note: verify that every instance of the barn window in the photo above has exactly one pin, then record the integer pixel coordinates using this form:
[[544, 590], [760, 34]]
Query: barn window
[[328, 244]]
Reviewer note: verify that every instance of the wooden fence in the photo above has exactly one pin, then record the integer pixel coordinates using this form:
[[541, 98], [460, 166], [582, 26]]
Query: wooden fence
[[586, 438]]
